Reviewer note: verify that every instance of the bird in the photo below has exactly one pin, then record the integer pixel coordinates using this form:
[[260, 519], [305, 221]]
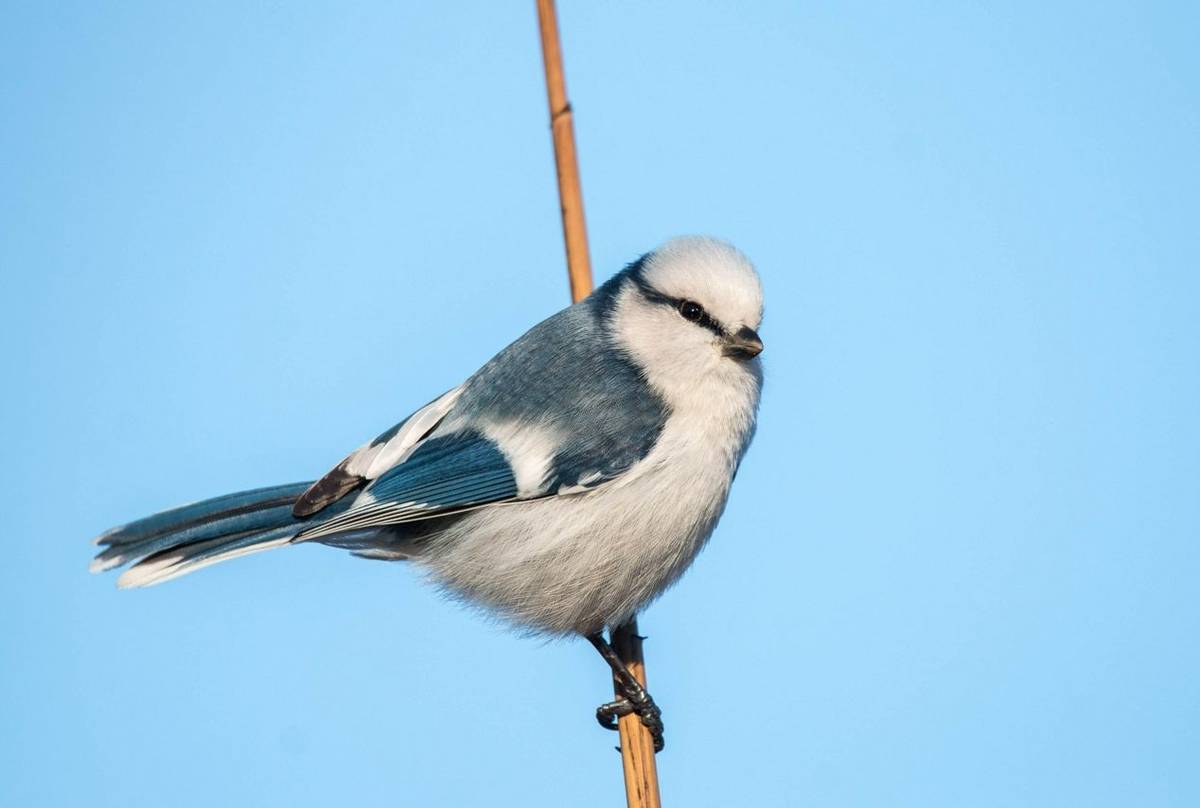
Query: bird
[[562, 487]]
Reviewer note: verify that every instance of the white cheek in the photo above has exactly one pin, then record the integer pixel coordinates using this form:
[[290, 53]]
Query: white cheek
[[674, 354]]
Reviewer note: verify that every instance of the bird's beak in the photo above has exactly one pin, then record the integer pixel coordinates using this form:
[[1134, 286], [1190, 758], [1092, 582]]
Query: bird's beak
[[745, 344]]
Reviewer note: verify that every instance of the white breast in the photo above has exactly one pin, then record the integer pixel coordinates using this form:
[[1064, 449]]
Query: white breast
[[581, 562]]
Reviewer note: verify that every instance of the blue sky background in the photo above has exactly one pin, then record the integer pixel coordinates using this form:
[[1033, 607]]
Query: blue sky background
[[960, 563]]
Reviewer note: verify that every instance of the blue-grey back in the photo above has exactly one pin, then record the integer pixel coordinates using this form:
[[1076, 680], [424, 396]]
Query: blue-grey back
[[568, 375]]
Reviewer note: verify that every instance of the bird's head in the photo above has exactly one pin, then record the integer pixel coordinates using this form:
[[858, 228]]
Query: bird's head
[[690, 310]]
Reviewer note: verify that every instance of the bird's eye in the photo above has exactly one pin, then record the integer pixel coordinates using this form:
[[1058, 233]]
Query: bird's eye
[[691, 311]]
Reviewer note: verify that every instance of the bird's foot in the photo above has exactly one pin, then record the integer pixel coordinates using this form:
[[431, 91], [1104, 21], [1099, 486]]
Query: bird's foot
[[633, 700]]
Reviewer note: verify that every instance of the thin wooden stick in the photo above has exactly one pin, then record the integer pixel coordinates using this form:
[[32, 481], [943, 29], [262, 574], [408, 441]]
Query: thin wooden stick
[[637, 746], [579, 265]]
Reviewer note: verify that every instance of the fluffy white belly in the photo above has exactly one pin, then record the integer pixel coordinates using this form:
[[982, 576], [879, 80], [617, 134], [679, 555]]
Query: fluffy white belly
[[580, 563], [583, 562]]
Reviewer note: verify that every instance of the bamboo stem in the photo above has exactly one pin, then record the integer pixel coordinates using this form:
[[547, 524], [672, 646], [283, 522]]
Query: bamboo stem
[[570, 195], [637, 746]]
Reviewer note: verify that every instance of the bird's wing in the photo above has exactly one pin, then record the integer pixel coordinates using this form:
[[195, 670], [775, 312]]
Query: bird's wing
[[556, 413], [369, 461], [472, 468], [444, 474]]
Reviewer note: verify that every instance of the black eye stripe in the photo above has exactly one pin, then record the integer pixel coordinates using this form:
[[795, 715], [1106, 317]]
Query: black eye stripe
[[651, 294]]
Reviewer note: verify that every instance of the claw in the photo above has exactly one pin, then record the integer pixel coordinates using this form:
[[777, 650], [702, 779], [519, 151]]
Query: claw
[[652, 720], [631, 696], [608, 714], [635, 700]]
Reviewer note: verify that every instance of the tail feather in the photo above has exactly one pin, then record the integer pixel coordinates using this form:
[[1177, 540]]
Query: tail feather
[[202, 511], [181, 540], [169, 564]]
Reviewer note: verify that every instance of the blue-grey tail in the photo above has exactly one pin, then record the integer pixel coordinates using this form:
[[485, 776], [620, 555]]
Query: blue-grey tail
[[185, 539]]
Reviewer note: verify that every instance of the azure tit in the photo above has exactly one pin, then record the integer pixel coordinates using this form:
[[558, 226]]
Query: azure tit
[[562, 487]]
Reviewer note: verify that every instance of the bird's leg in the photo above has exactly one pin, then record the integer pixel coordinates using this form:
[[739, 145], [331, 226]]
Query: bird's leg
[[633, 697]]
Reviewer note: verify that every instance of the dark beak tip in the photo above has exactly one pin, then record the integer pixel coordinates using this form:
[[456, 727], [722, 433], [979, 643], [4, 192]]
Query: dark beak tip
[[745, 344]]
